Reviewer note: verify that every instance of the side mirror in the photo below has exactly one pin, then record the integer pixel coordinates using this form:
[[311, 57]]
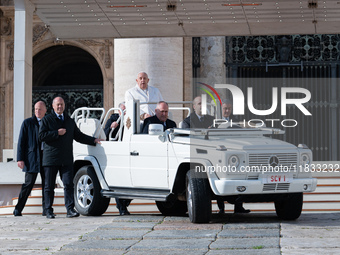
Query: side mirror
[[162, 137]]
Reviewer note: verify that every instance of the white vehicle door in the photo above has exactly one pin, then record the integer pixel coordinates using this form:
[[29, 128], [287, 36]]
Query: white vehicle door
[[113, 157], [148, 161]]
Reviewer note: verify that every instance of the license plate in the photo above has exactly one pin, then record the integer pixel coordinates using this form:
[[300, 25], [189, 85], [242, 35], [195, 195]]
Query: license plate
[[276, 178]]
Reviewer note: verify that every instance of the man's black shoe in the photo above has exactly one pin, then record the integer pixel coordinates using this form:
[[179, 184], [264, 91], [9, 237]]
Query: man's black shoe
[[241, 210], [124, 212], [44, 214], [16, 212], [72, 213], [50, 215]]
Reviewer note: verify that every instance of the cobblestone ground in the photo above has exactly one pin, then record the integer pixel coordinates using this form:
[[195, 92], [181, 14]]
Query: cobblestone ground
[[252, 233]]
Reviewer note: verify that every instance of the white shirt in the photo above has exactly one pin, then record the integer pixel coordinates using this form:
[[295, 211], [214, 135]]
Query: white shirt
[[153, 95]]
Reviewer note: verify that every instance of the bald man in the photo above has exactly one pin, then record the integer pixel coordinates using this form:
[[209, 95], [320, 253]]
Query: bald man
[[29, 155], [58, 131]]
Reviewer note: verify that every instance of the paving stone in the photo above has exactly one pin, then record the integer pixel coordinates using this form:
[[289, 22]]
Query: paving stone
[[172, 244], [99, 245], [311, 251], [248, 233], [186, 226], [309, 233], [167, 252], [81, 252], [245, 243], [125, 225], [310, 242], [139, 218], [245, 251], [176, 219], [116, 234], [251, 226], [181, 234]]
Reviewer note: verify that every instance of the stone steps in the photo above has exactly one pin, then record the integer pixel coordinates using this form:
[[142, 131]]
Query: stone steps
[[326, 198]]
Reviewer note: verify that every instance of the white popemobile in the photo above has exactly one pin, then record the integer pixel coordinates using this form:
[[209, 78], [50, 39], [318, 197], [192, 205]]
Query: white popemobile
[[183, 170]]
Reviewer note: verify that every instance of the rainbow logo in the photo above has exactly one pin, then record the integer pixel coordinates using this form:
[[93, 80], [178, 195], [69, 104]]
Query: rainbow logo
[[209, 93]]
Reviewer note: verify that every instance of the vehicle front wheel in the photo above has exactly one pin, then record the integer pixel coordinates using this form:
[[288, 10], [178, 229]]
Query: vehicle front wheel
[[198, 196], [87, 197], [290, 207], [172, 208]]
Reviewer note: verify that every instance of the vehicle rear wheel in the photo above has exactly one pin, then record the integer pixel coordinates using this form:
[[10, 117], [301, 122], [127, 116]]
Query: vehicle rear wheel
[[87, 197], [198, 195], [290, 207], [172, 208]]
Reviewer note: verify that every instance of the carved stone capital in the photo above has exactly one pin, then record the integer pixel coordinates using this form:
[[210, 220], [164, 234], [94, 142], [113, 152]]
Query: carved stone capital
[[39, 32]]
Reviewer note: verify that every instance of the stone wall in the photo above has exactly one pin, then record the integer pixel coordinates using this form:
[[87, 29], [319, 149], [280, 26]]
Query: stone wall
[[6, 77]]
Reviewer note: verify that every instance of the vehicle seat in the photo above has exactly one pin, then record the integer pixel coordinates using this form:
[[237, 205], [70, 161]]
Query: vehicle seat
[[91, 127]]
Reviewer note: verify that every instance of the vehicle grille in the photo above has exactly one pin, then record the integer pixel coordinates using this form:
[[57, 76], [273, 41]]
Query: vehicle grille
[[276, 186], [260, 162]]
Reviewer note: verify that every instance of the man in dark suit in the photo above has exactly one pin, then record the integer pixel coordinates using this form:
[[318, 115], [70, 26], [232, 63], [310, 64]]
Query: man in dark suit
[[29, 156], [58, 131], [113, 124], [161, 117], [227, 114], [196, 119]]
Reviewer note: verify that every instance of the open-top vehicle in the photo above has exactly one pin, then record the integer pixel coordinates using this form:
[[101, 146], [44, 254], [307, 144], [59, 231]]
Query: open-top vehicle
[[183, 170]]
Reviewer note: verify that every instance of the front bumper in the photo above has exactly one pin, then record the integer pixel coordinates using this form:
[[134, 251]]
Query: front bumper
[[226, 187]]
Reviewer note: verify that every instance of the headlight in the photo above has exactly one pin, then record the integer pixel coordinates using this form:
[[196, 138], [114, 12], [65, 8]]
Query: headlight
[[304, 159], [233, 161]]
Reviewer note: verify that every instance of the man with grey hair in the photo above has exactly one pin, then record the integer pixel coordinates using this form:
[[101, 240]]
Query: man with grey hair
[[144, 93], [29, 156], [227, 108], [161, 117]]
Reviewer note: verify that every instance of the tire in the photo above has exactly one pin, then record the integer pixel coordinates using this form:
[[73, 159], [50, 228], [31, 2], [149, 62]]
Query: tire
[[87, 197], [198, 196], [172, 208], [290, 207]]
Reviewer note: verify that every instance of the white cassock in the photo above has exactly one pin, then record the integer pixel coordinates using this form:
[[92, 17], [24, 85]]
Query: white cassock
[[153, 95]]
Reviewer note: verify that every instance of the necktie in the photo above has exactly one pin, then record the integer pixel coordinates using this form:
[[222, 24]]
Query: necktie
[[60, 117], [42, 143], [202, 119]]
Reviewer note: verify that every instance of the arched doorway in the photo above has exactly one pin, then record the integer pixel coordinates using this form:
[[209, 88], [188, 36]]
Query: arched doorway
[[69, 72]]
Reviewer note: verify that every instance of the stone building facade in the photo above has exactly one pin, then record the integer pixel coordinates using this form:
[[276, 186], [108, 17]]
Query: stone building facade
[[170, 69]]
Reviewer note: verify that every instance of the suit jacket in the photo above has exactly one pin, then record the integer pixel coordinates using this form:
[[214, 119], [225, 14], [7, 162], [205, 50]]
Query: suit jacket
[[232, 117], [154, 95], [155, 120], [193, 122], [29, 147], [58, 149], [114, 117]]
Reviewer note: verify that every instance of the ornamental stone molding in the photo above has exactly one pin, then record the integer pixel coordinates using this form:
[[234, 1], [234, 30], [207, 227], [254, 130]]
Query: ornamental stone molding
[[104, 51], [6, 26], [10, 47], [39, 32]]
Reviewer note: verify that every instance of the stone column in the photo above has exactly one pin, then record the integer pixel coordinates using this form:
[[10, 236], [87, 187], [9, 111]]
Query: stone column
[[23, 34], [212, 60], [160, 58]]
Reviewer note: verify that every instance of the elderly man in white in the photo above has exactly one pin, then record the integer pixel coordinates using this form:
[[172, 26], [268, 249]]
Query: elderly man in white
[[144, 93]]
